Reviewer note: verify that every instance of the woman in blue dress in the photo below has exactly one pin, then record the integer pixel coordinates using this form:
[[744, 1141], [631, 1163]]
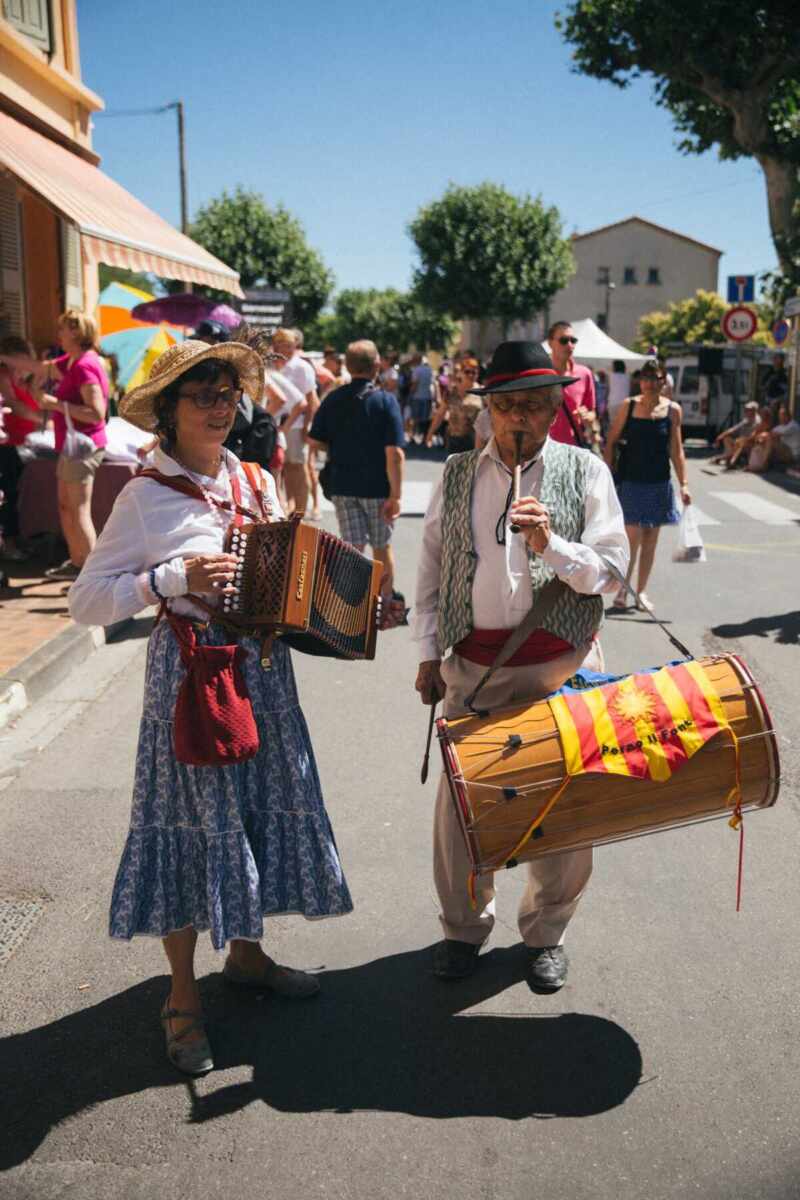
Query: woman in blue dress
[[218, 847], [649, 425]]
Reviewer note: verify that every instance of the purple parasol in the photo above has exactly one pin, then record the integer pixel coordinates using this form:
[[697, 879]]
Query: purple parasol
[[186, 308]]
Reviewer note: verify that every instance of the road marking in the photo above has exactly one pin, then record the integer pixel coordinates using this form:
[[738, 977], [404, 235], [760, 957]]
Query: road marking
[[702, 517], [416, 498], [758, 509], [773, 549]]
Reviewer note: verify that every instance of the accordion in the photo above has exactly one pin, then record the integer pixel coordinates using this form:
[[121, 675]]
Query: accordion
[[307, 586]]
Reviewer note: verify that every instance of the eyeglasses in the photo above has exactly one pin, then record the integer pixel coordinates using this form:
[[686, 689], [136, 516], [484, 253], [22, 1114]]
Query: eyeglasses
[[210, 397], [567, 341], [467, 371], [529, 407]]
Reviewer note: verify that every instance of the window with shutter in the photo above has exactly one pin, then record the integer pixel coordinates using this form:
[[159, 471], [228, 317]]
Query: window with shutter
[[12, 287], [31, 17], [71, 266]]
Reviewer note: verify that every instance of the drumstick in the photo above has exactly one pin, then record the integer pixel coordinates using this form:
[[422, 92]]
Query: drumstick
[[518, 435], [423, 775]]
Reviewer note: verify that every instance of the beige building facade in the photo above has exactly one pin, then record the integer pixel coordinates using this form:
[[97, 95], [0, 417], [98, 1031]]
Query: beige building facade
[[631, 268], [60, 216]]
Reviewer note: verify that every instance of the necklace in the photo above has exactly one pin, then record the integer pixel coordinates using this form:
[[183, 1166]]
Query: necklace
[[219, 514]]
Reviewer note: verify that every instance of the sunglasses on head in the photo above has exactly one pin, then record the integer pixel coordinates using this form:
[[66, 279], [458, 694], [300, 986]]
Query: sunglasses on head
[[567, 341]]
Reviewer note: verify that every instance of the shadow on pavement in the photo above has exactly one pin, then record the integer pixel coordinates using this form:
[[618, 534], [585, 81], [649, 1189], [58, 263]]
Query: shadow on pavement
[[785, 626], [383, 1036]]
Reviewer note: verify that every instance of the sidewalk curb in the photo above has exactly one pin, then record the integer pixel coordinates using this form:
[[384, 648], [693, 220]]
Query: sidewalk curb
[[36, 675]]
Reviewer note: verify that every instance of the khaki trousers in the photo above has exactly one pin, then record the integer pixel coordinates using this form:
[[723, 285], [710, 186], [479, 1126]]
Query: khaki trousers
[[555, 881]]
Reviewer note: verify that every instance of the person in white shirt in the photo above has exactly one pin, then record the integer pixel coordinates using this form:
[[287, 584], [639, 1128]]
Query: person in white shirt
[[468, 603], [286, 356], [224, 836]]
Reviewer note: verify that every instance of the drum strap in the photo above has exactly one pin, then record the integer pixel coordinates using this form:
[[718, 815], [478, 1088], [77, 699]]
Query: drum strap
[[620, 578], [533, 619], [543, 604]]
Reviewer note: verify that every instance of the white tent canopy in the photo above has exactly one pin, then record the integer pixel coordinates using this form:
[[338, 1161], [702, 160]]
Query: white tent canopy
[[596, 347]]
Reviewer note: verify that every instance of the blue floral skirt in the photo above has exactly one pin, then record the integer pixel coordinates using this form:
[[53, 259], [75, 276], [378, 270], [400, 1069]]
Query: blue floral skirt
[[219, 848], [648, 504]]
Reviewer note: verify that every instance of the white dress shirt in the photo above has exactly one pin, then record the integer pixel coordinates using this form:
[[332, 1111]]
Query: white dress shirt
[[153, 526], [502, 592]]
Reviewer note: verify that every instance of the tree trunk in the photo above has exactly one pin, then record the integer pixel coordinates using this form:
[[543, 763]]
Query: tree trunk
[[783, 193]]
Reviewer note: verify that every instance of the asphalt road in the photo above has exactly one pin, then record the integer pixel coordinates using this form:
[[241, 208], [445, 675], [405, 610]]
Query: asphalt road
[[667, 1067]]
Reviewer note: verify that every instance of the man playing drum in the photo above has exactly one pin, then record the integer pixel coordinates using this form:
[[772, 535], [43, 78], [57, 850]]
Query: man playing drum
[[477, 581]]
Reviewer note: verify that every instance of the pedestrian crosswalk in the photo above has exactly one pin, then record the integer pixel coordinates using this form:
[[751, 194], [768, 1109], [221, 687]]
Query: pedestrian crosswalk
[[756, 508]]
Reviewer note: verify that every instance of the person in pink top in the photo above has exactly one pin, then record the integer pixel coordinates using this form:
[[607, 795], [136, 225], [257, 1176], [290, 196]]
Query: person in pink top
[[574, 426], [79, 388]]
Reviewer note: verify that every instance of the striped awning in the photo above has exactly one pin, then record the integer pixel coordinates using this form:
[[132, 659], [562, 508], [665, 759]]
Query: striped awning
[[115, 227]]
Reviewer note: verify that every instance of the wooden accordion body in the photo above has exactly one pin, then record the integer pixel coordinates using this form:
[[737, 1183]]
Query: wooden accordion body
[[316, 591]]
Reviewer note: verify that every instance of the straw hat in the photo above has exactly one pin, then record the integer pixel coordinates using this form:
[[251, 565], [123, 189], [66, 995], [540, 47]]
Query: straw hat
[[137, 405]]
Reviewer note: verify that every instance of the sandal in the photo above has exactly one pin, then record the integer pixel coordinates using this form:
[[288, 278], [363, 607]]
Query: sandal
[[192, 1058]]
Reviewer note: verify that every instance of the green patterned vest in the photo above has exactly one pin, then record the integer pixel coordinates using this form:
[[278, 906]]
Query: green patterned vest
[[574, 617]]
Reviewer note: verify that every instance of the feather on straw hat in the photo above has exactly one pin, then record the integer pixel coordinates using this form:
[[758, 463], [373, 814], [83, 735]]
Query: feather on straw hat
[[138, 405]]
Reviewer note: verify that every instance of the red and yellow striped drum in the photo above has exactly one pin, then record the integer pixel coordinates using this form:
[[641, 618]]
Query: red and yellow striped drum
[[589, 765]]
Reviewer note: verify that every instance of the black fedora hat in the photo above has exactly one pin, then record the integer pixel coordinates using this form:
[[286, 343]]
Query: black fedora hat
[[518, 366]]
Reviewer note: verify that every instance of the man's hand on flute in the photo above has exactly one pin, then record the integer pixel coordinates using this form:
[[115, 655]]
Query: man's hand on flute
[[533, 520]]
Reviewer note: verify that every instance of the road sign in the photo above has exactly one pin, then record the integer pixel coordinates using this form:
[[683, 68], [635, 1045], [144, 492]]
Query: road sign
[[741, 289], [792, 307], [739, 324], [780, 332]]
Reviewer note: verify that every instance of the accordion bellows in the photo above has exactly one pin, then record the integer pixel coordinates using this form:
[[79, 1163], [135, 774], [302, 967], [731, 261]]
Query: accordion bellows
[[319, 593]]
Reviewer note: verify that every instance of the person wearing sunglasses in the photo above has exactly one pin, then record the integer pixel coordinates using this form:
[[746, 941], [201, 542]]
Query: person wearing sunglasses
[[649, 426], [576, 421], [459, 409], [210, 847], [477, 581]]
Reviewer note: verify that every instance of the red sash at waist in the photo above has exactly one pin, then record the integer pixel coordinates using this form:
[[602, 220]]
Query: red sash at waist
[[482, 646]]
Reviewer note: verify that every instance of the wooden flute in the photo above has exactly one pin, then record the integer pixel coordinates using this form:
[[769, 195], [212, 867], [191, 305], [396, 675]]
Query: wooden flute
[[517, 478]]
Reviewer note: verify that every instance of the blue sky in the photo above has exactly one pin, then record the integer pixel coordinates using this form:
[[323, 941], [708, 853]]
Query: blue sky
[[353, 115]]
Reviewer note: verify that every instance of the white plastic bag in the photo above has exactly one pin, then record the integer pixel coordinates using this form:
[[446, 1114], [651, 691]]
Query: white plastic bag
[[689, 547], [76, 444]]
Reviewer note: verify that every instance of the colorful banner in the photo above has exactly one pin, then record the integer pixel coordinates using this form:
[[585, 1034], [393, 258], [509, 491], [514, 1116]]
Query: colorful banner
[[645, 726]]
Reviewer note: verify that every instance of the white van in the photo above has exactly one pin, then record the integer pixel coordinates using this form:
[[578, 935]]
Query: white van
[[707, 401]]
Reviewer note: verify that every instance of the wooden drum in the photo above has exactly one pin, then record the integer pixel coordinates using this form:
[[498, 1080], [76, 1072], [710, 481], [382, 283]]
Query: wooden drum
[[508, 769]]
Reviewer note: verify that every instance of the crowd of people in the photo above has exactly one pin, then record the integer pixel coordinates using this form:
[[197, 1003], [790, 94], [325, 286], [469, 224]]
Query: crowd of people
[[228, 822]]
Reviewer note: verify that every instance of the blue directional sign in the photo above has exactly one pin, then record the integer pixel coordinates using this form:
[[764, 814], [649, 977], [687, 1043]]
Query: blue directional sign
[[741, 289]]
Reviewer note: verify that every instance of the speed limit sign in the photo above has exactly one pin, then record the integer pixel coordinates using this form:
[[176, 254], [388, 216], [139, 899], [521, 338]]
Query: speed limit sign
[[739, 323]]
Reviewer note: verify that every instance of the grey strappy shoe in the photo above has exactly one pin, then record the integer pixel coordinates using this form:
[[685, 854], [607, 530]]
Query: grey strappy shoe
[[192, 1058], [283, 981]]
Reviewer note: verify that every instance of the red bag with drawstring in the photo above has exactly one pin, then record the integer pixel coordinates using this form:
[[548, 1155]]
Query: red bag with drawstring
[[213, 724]]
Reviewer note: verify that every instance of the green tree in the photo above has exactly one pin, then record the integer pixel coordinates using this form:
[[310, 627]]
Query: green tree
[[139, 279], [486, 253], [392, 319], [696, 320], [266, 246], [727, 70]]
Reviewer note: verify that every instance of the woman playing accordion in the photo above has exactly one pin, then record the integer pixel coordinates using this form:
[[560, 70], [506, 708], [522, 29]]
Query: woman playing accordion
[[228, 822]]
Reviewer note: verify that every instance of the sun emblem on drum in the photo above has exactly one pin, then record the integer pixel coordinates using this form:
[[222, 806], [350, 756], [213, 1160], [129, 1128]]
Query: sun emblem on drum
[[634, 705]]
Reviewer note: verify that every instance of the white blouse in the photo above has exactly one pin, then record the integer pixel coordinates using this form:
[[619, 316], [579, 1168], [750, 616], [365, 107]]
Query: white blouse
[[152, 526]]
